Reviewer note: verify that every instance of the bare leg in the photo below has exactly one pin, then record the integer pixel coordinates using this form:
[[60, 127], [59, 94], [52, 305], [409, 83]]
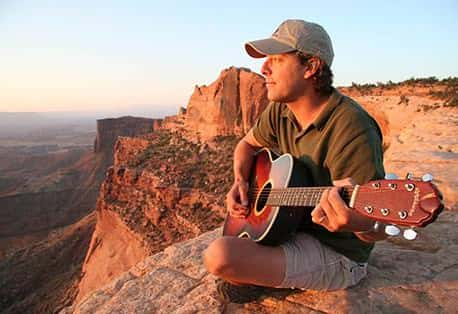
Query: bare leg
[[245, 262]]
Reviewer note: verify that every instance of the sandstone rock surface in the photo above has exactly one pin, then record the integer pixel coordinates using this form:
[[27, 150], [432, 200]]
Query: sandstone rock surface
[[404, 277], [228, 106], [111, 241], [419, 141]]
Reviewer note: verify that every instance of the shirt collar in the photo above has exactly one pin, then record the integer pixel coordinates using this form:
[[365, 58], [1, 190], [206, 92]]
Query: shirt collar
[[333, 101]]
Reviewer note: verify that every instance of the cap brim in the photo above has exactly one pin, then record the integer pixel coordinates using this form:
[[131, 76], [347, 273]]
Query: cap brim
[[265, 47]]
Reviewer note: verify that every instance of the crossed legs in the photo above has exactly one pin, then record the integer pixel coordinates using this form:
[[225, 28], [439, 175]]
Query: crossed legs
[[303, 262], [243, 261]]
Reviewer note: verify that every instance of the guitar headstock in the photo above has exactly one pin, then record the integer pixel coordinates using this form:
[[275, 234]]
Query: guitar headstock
[[410, 202]]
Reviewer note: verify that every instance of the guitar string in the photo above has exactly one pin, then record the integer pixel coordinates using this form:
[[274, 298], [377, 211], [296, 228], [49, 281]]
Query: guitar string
[[301, 198], [292, 192], [390, 218], [357, 204], [305, 189], [287, 193], [307, 199], [346, 193]]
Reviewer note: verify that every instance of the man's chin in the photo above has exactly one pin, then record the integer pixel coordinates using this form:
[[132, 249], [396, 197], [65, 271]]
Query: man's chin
[[274, 98]]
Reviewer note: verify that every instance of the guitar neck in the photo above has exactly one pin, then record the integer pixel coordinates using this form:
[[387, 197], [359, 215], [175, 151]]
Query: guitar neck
[[301, 197]]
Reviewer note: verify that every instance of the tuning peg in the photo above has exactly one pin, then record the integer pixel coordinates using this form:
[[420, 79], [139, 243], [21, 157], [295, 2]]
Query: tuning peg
[[409, 176], [427, 177], [392, 230], [410, 234], [390, 176]]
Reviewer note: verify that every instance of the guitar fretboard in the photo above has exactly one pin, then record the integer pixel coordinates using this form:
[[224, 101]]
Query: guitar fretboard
[[298, 197]]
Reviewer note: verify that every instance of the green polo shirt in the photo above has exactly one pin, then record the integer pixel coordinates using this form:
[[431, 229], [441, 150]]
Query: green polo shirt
[[343, 141]]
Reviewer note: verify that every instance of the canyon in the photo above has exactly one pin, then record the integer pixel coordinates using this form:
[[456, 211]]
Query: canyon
[[48, 193]]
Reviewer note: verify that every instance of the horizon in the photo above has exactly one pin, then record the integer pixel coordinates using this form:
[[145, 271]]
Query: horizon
[[147, 110], [169, 110], [80, 115], [119, 57]]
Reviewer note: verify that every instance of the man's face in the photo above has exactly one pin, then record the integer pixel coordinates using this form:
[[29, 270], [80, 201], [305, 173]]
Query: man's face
[[284, 75]]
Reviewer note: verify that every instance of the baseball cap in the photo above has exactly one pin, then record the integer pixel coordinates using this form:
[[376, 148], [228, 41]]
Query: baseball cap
[[294, 35]]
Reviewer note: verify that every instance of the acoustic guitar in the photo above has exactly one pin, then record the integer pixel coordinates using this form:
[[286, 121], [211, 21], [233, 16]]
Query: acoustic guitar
[[280, 196]]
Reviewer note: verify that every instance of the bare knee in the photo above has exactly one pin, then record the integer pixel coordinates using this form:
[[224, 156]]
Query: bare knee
[[218, 258]]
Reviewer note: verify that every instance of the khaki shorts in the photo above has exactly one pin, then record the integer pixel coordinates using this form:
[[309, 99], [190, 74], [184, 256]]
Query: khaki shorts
[[313, 266]]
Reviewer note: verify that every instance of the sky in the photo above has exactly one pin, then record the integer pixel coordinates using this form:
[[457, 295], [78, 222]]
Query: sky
[[100, 56]]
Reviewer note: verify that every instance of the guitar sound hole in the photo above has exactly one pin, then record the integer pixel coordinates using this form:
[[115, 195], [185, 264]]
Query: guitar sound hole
[[262, 197]]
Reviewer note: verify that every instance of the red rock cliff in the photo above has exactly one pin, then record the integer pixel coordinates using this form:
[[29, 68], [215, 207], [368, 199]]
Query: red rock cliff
[[229, 106], [108, 130], [161, 189]]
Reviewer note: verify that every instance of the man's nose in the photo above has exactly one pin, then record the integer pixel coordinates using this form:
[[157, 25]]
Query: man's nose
[[265, 69]]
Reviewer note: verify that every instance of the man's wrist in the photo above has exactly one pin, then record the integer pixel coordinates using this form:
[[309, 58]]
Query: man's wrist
[[239, 178], [376, 227]]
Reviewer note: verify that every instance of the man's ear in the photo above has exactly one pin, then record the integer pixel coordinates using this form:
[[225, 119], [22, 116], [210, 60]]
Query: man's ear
[[313, 64]]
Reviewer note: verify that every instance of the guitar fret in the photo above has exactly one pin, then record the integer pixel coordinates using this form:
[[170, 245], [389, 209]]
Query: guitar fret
[[297, 196], [317, 197]]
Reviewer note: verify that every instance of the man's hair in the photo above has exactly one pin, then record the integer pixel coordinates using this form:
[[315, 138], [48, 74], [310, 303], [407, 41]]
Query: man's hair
[[322, 79]]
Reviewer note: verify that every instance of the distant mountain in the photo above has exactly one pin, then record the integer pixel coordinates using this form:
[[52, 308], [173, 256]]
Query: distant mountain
[[21, 118], [22, 123], [19, 123]]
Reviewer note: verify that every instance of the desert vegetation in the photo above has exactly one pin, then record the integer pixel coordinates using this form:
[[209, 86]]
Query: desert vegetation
[[187, 164], [444, 90]]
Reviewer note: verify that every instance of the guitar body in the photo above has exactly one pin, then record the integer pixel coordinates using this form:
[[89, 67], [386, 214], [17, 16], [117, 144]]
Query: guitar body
[[270, 225]]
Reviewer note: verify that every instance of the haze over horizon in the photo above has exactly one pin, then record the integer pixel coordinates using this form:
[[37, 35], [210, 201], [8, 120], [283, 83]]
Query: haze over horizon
[[103, 57], [150, 111]]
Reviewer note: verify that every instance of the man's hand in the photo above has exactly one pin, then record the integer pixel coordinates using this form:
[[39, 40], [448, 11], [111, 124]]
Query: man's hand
[[333, 214], [237, 199]]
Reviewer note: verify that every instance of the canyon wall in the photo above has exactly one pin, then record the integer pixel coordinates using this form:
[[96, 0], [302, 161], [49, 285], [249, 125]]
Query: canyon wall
[[34, 212], [42, 276], [108, 130], [228, 106], [160, 190]]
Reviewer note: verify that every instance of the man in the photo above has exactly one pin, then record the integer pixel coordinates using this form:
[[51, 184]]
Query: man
[[339, 143]]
